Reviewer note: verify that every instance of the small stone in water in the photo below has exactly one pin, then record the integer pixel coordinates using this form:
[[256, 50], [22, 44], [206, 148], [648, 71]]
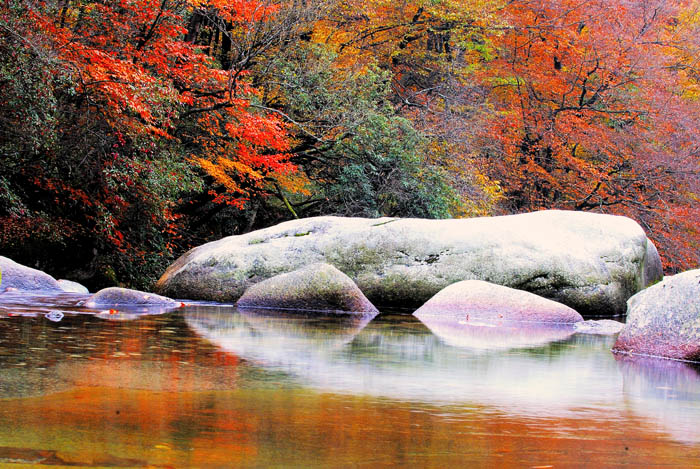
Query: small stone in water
[[602, 327], [54, 316]]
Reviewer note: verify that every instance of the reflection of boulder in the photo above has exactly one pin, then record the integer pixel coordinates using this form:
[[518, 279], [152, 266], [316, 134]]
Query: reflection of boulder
[[665, 391], [494, 335], [402, 359], [599, 327], [131, 314], [317, 287], [664, 320], [40, 302], [277, 338]]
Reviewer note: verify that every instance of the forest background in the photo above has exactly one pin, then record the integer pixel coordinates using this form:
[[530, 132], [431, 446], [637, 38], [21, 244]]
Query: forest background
[[133, 130]]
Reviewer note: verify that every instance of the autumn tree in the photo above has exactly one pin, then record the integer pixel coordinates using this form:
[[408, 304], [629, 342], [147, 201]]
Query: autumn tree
[[548, 104], [590, 115], [108, 111]]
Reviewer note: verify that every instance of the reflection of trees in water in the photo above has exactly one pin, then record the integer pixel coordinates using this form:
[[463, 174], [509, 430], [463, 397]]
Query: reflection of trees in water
[[39, 356]]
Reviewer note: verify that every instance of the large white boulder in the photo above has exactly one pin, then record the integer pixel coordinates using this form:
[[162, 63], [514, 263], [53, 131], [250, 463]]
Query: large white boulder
[[588, 261]]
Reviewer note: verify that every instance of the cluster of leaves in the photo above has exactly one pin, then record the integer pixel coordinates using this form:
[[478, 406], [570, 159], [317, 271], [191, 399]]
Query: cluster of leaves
[[581, 105], [108, 116]]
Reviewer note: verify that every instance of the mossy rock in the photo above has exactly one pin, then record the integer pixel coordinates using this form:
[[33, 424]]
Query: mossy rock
[[590, 262], [317, 287]]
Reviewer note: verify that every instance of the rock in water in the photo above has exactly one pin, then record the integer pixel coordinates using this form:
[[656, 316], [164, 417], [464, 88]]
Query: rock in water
[[664, 320], [72, 287], [481, 315], [472, 300], [317, 287], [20, 277], [115, 296], [588, 261], [600, 327]]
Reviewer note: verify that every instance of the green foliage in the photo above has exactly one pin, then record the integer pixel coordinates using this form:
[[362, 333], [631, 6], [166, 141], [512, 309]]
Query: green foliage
[[364, 159], [78, 196]]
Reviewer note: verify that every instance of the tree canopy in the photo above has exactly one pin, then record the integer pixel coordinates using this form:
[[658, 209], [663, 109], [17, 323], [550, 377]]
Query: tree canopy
[[132, 130]]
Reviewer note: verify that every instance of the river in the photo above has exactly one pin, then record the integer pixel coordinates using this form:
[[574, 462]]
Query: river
[[207, 385]]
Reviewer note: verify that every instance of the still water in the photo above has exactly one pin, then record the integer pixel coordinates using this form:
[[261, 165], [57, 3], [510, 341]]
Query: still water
[[210, 386]]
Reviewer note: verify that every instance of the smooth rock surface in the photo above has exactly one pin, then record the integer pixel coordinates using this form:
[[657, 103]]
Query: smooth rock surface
[[664, 320], [115, 296], [20, 277], [72, 287], [476, 300], [317, 287], [588, 261]]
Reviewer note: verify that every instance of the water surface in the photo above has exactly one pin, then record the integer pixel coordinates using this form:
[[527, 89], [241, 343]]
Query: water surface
[[210, 386]]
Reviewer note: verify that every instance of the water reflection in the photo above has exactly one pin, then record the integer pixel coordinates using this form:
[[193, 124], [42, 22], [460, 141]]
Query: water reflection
[[403, 359], [208, 386], [54, 306], [665, 391], [409, 362], [284, 340], [496, 335]]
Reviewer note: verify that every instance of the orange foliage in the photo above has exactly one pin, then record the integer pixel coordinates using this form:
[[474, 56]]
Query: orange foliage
[[133, 64], [582, 105]]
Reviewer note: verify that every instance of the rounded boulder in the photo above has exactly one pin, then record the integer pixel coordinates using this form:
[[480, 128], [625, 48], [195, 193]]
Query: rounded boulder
[[590, 262], [664, 320], [476, 299], [317, 287], [115, 296]]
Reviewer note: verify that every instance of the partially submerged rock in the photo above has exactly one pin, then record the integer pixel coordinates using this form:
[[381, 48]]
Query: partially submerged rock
[[483, 301], [115, 296], [19, 277], [600, 327], [664, 320], [481, 315], [591, 262], [72, 287], [317, 287]]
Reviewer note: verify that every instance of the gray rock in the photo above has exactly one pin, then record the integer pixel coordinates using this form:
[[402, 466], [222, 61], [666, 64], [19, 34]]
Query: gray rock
[[20, 277], [588, 261], [653, 270], [115, 296], [317, 287], [600, 327], [476, 300], [72, 287], [664, 320]]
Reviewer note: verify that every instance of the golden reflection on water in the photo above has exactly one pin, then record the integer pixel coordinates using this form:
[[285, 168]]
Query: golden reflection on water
[[208, 387]]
